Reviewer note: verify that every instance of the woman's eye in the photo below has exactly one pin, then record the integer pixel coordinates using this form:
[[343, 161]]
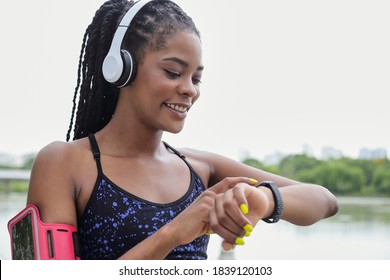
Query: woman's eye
[[176, 75], [196, 81], [172, 74]]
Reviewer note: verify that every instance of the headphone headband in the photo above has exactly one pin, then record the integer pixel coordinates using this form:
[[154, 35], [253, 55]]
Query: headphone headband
[[114, 65]]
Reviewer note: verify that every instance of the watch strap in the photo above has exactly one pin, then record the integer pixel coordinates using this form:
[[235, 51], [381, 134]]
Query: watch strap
[[278, 210]]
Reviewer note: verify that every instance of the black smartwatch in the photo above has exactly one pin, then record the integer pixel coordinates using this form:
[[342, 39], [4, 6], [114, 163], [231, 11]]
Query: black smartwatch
[[278, 210]]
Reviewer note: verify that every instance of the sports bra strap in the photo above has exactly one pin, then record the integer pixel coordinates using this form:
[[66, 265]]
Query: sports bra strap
[[95, 151], [169, 147], [179, 154]]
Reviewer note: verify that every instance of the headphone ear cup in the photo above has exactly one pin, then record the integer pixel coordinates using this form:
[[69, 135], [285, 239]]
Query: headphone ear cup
[[129, 69]]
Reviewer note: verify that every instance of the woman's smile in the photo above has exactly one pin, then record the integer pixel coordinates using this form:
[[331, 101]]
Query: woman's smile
[[179, 110]]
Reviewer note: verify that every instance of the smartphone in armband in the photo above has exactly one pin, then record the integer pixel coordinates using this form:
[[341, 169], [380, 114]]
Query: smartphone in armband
[[31, 239]]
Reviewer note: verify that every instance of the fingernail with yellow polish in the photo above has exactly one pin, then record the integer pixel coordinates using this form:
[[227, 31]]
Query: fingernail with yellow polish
[[247, 233], [253, 181], [244, 209], [239, 241], [248, 228]]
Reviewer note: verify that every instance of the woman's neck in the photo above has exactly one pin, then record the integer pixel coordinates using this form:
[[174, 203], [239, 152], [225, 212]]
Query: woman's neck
[[129, 138]]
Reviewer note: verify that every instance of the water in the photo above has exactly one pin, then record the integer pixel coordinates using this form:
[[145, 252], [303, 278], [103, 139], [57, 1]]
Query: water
[[360, 231], [10, 205]]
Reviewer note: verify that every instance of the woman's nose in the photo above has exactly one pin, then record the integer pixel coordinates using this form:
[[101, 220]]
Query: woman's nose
[[188, 88]]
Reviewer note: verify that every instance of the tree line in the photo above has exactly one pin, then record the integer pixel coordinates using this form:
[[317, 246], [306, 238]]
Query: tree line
[[344, 176]]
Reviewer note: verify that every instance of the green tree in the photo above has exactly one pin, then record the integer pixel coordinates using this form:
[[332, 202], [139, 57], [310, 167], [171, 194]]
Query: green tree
[[337, 177], [28, 161], [259, 165], [367, 166], [254, 163], [381, 180], [291, 166], [341, 176]]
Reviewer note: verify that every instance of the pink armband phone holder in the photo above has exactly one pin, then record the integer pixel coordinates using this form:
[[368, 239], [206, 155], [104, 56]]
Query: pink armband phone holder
[[31, 239]]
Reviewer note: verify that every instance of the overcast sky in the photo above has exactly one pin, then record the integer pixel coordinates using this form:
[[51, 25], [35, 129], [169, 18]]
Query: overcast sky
[[278, 74]]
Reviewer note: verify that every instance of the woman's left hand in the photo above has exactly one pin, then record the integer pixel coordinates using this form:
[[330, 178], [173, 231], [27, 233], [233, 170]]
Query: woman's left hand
[[236, 213]]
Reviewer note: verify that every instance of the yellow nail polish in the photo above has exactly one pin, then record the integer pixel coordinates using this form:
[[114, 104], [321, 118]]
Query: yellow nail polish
[[253, 181], [248, 228], [244, 209], [239, 241], [247, 233], [209, 232]]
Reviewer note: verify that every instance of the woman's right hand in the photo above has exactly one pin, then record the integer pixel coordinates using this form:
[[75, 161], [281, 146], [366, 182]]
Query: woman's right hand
[[237, 211], [194, 221]]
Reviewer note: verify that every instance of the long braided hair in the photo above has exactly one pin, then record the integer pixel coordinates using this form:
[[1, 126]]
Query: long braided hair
[[149, 31]]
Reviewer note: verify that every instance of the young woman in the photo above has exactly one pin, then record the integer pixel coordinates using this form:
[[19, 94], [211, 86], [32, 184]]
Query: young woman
[[132, 196]]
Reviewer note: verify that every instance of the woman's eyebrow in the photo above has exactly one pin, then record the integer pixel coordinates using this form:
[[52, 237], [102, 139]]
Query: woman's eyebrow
[[181, 62]]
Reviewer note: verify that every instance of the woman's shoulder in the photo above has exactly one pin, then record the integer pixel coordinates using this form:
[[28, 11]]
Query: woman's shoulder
[[205, 157], [209, 164], [221, 166], [59, 151], [55, 179], [198, 156]]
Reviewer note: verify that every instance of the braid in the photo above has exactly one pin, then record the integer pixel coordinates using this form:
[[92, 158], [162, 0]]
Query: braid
[[154, 25], [77, 87], [149, 30]]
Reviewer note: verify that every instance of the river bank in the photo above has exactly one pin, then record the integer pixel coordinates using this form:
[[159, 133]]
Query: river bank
[[360, 231]]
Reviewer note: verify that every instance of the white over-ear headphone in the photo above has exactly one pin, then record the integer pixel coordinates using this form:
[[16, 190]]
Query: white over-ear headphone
[[119, 66]]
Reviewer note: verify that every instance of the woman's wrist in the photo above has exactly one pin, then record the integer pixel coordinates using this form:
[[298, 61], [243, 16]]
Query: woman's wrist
[[169, 234], [271, 202]]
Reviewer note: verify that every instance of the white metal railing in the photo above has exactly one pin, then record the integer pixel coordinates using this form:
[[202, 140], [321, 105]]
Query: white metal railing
[[9, 175], [14, 174]]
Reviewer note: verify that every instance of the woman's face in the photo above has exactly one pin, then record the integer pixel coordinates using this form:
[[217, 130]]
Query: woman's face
[[168, 83]]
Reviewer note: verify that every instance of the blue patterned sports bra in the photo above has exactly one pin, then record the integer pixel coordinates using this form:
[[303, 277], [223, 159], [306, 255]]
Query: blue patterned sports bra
[[114, 220]]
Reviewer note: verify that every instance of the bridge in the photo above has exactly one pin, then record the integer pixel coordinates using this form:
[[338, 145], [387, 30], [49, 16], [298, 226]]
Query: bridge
[[9, 175]]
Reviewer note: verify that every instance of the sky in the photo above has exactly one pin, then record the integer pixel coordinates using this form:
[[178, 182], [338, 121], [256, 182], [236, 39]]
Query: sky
[[279, 75]]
